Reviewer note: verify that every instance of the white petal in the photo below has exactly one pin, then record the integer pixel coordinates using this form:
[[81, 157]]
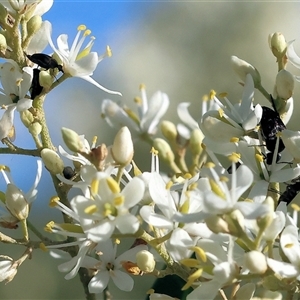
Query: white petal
[[282, 268], [184, 115], [99, 282], [292, 56]]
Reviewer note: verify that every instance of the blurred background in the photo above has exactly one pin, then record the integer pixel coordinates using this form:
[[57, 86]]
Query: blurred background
[[180, 48]]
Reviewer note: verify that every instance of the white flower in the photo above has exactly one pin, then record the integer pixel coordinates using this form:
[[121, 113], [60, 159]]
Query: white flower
[[289, 242], [149, 113], [232, 120], [35, 7], [8, 268], [17, 202], [77, 62], [293, 57], [109, 267], [109, 207]]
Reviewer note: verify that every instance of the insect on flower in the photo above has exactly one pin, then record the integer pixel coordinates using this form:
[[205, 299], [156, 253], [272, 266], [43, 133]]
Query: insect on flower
[[45, 61], [291, 192], [270, 125], [36, 88]]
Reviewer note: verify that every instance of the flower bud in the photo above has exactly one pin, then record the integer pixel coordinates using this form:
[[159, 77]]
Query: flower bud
[[26, 117], [122, 148], [45, 79], [277, 44], [145, 261], [52, 161], [284, 85], [216, 224], [242, 68], [164, 150], [35, 128], [8, 269], [196, 141], [34, 24], [16, 202], [72, 139], [169, 130], [3, 44], [256, 262]]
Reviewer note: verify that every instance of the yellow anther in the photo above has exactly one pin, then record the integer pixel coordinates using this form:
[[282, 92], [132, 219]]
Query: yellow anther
[[118, 200], [94, 186], [91, 209], [108, 51], [185, 207], [295, 207], [234, 140], [4, 168], [53, 201], [71, 227], [259, 158], [223, 95], [113, 185], [290, 245], [94, 140], [221, 112], [154, 151], [234, 157], [168, 185], [132, 115], [138, 100], [216, 189], [205, 98], [87, 32], [117, 241], [224, 179], [212, 94], [142, 86], [81, 27], [190, 262], [43, 247], [209, 165], [19, 81], [200, 252], [49, 226], [195, 275], [187, 176]]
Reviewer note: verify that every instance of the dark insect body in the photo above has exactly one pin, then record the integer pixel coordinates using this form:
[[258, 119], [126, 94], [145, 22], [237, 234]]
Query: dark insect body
[[270, 125], [290, 193], [68, 172], [36, 88], [45, 61]]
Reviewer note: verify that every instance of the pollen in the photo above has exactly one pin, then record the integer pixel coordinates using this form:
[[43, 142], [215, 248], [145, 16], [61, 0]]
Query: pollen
[[205, 98], [81, 27], [4, 168], [187, 176], [94, 141], [113, 185], [210, 165], [295, 207], [87, 32], [43, 247], [224, 179], [91, 209], [138, 100]]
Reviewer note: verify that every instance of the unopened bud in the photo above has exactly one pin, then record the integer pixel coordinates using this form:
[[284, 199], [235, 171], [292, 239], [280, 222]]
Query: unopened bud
[[8, 269], [277, 44], [216, 224], [52, 161], [145, 261], [164, 150], [16, 202], [34, 24], [169, 130], [255, 262], [284, 85], [122, 148], [35, 128], [235, 221], [3, 44], [45, 79], [196, 141], [26, 117], [72, 139], [242, 68]]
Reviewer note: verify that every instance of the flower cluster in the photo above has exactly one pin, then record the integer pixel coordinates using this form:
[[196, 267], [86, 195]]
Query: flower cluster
[[217, 219]]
